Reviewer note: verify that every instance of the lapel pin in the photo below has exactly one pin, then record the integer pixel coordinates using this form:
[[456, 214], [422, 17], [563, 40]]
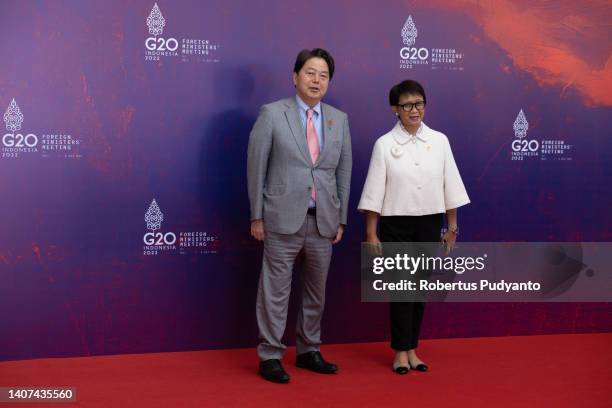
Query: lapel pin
[[397, 151]]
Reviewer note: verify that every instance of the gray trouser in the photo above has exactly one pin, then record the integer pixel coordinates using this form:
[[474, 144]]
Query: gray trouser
[[280, 252]]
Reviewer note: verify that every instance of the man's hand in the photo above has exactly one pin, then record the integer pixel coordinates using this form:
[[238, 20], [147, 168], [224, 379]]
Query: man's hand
[[339, 234], [257, 230]]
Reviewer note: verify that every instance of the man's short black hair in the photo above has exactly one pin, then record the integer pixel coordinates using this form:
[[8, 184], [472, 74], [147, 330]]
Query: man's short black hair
[[405, 87], [305, 55]]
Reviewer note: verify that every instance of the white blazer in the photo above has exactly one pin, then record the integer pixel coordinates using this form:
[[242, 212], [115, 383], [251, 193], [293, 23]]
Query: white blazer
[[412, 175]]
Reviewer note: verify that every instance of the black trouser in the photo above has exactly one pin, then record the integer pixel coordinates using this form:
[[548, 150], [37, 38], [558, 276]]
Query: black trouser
[[406, 317]]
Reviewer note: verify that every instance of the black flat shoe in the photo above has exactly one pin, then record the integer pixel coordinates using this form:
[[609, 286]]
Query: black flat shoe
[[400, 369], [420, 367], [272, 370], [313, 361]]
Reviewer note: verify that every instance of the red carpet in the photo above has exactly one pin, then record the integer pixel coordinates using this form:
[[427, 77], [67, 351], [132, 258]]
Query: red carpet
[[532, 371]]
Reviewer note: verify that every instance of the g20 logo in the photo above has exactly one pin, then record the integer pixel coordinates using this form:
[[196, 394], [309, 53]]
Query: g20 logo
[[161, 44], [522, 145], [159, 238], [413, 53], [13, 119], [156, 23], [19, 140]]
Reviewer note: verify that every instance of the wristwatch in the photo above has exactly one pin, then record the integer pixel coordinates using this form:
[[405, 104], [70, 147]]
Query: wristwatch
[[454, 229]]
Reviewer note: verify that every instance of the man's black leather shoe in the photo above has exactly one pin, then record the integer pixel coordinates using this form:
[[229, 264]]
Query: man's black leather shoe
[[272, 370], [313, 360]]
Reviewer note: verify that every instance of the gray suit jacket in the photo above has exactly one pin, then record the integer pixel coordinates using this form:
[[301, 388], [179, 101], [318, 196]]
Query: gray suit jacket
[[280, 171]]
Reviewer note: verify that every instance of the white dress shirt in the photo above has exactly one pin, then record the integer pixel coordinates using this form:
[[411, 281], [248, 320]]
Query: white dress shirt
[[412, 175]]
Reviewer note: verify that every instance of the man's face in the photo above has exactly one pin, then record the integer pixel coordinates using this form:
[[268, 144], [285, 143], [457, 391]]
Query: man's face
[[312, 80]]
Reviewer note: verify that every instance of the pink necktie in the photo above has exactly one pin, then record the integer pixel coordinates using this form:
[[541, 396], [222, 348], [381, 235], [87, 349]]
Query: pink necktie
[[313, 145]]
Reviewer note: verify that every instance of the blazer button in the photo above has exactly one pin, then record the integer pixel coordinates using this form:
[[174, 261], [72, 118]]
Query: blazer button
[[418, 187]]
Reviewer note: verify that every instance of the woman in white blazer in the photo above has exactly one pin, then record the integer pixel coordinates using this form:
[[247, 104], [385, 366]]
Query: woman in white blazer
[[412, 181]]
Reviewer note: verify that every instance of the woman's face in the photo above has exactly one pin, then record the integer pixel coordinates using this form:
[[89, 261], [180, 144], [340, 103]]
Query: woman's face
[[410, 110]]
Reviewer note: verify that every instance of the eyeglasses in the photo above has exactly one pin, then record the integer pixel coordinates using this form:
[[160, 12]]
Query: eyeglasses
[[407, 107]]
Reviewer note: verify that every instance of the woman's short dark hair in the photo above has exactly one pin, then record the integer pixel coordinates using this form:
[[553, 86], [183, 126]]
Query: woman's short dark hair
[[305, 55], [405, 87]]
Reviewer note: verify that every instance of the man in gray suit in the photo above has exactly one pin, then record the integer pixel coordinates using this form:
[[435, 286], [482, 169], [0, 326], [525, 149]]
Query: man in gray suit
[[299, 174]]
